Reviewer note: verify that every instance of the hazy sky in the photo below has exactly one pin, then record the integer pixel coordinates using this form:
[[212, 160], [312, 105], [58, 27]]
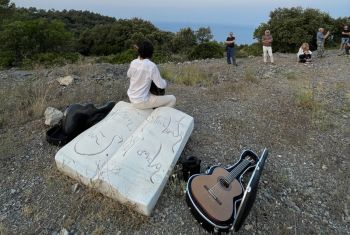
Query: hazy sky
[[248, 12]]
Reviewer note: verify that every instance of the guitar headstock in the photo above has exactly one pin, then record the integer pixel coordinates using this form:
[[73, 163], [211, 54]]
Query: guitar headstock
[[250, 159]]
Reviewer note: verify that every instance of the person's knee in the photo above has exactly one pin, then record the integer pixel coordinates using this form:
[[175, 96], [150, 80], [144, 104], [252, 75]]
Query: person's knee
[[172, 101]]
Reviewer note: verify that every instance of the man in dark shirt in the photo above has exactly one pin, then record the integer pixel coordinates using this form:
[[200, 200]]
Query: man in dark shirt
[[230, 49], [345, 38]]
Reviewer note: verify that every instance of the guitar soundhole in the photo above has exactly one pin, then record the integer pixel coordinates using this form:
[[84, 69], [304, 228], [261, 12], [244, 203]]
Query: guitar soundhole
[[224, 182]]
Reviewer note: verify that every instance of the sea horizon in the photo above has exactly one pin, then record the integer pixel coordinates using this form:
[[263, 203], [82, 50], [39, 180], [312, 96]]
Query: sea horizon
[[243, 33]]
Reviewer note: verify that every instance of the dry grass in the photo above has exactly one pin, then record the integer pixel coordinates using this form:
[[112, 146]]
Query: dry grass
[[27, 100], [24, 102], [2, 229], [305, 99], [250, 76], [99, 230], [348, 97], [189, 75], [291, 76]]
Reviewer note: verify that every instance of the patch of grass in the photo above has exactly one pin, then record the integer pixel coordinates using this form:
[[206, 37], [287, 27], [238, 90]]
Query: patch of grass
[[250, 76], [27, 211], [305, 99], [319, 116], [7, 147], [3, 230], [99, 230], [291, 76], [348, 97], [189, 75], [24, 101], [176, 185]]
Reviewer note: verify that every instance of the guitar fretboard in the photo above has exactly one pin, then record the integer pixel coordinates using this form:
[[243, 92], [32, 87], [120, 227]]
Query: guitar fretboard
[[237, 170]]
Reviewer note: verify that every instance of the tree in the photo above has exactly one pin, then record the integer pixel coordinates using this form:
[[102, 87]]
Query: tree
[[204, 35], [291, 27], [183, 40], [24, 39], [6, 10]]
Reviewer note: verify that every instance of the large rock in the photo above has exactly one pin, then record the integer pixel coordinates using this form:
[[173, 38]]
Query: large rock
[[52, 116], [129, 155]]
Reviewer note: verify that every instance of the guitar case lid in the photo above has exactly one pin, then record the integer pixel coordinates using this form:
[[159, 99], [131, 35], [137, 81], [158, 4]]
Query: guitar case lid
[[250, 193]]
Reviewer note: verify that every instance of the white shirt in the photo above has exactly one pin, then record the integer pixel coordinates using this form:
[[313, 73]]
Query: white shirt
[[141, 74], [301, 51]]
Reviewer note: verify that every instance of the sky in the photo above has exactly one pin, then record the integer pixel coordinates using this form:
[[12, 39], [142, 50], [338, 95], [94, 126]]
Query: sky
[[249, 13]]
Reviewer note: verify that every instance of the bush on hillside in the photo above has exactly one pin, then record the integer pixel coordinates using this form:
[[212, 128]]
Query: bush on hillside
[[254, 49], [207, 50], [124, 57]]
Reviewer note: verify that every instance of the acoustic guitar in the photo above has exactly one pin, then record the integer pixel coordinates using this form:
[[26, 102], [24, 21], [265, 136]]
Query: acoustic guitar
[[214, 197]]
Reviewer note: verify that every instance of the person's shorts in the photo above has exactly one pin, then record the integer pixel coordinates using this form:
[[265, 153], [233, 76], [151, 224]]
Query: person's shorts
[[345, 40]]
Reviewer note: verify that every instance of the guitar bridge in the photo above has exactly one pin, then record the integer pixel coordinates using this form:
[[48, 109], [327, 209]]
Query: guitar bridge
[[210, 191]]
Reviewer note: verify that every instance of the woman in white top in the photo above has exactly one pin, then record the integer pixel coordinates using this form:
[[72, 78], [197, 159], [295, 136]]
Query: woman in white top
[[304, 53], [142, 72]]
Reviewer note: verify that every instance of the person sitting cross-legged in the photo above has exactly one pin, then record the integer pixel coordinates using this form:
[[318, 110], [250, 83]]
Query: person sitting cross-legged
[[304, 53], [142, 72]]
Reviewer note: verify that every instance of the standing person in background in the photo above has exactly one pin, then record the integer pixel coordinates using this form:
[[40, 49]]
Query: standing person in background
[[142, 72], [321, 37], [230, 49], [345, 38], [267, 46]]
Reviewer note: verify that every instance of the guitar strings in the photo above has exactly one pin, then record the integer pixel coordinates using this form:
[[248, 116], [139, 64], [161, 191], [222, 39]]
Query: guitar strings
[[231, 176]]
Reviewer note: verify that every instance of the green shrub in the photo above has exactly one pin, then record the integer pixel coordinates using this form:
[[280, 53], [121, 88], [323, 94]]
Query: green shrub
[[6, 59], [124, 57], [254, 49], [51, 59], [207, 50]]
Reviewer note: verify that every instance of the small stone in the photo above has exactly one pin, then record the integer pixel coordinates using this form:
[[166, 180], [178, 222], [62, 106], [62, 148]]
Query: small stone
[[65, 81], [279, 156], [75, 187], [324, 167], [52, 116], [248, 227], [345, 116], [13, 191], [63, 232]]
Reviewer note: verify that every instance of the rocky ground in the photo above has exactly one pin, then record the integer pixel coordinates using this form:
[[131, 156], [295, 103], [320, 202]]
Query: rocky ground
[[301, 113]]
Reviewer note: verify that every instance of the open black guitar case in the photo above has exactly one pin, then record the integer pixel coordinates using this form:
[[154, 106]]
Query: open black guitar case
[[245, 204]]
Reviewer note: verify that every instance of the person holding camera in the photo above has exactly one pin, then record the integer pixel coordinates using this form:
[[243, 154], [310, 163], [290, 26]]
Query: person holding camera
[[321, 37]]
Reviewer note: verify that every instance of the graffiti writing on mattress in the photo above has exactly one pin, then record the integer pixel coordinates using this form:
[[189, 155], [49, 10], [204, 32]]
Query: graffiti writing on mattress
[[170, 127], [99, 140], [151, 161]]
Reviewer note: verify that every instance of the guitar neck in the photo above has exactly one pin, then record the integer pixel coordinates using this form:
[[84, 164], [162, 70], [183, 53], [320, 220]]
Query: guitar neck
[[238, 170]]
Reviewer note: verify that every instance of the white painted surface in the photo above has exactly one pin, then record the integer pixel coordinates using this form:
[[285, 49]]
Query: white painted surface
[[129, 155], [85, 155], [137, 173]]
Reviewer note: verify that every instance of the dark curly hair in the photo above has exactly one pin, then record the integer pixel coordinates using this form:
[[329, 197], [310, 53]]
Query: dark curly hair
[[145, 49]]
